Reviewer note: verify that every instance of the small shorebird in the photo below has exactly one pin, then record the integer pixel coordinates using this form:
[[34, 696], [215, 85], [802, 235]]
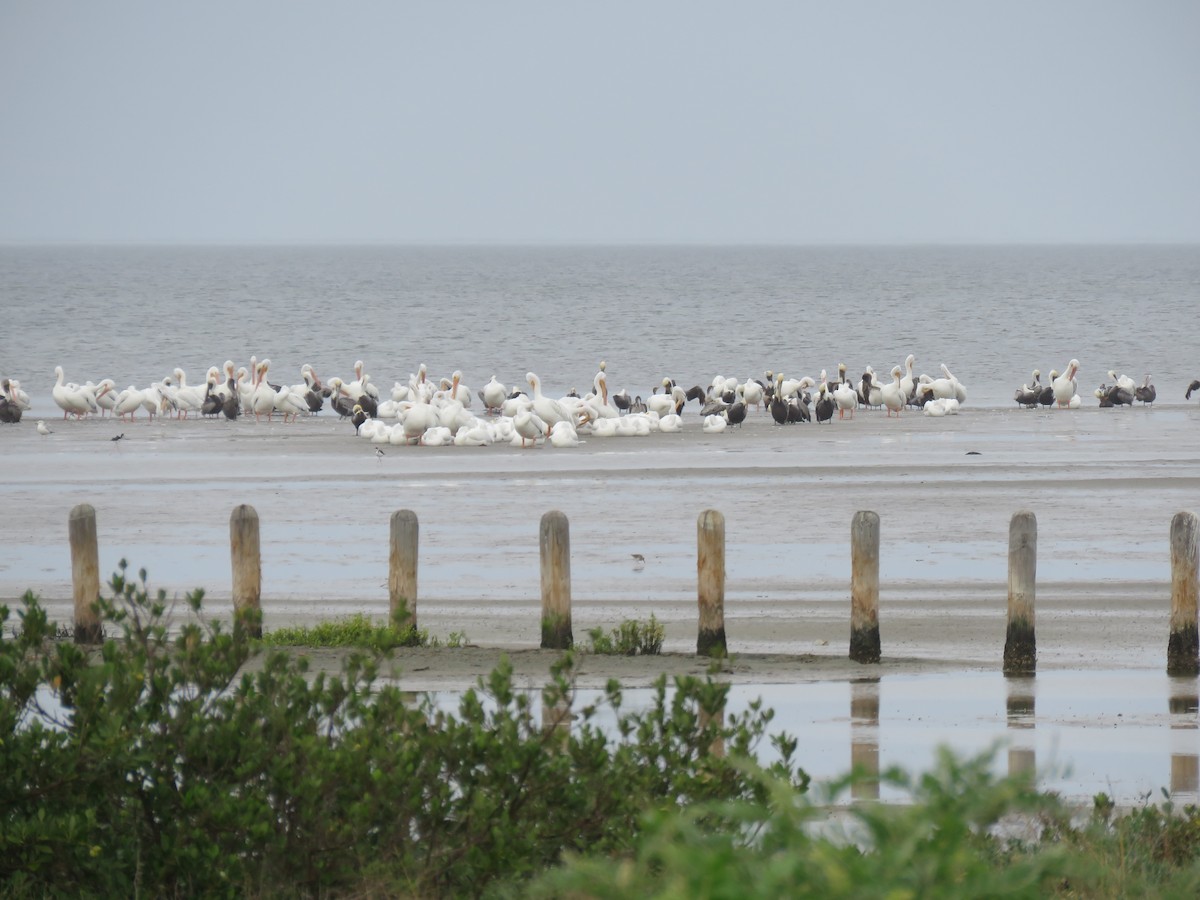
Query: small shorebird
[[118, 437], [638, 560], [41, 427], [379, 453]]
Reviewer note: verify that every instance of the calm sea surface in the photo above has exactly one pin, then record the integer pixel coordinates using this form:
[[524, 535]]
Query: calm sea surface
[[991, 314]]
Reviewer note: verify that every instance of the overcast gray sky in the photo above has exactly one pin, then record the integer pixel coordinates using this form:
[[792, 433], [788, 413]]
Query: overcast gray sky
[[777, 122]]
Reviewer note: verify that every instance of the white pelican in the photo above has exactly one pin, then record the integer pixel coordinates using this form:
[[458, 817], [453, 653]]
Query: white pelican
[[361, 384], [16, 396], [493, 395], [666, 403], [128, 402], [713, 424], [1064, 385], [547, 409], [476, 433], [908, 383], [437, 436], [844, 396], [563, 434], [456, 390], [892, 395], [1123, 381], [188, 398], [672, 423], [70, 399], [528, 425], [752, 393], [262, 400], [417, 419]]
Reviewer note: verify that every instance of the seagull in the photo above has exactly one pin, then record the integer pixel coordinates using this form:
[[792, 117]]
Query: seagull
[[41, 427]]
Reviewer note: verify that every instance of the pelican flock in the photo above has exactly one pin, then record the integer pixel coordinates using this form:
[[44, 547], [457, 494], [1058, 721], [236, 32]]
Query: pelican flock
[[429, 411]]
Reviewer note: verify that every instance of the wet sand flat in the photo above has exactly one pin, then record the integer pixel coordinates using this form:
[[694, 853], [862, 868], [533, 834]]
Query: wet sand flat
[[1103, 483]]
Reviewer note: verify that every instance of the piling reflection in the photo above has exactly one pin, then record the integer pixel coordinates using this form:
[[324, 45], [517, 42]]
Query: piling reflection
[[864, 738], [1021, 704], [1183, 705]]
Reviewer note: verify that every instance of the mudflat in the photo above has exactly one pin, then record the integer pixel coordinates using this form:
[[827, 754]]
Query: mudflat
[[1104, 485]]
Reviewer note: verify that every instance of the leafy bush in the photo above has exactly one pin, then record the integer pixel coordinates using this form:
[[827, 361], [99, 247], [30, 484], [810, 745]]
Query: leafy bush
[[161, 764], [630, 638]]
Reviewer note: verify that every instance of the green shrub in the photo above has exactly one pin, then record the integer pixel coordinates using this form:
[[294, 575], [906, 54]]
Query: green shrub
[[159, 764], [351, 631], [631, 638]]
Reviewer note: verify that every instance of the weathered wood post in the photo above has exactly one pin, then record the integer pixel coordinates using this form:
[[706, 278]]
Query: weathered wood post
[[864, 587], [1183, 647], [247, 567], [85, 573], [555, 543], [710, 583], [1020, 644], [402, 568]]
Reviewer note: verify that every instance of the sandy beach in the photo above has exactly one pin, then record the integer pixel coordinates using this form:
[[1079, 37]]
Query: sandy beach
[[1103, 484]]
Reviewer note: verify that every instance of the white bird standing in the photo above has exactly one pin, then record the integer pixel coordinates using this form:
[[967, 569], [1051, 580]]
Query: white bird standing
[[892, 395], [546, 408], [1064, 384], [69, 398]]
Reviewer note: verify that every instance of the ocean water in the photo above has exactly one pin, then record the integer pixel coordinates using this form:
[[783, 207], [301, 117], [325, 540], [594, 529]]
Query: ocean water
[[991, 314]]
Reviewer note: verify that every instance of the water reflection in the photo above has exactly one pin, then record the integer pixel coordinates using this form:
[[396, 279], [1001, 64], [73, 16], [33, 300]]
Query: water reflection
[[1021, 704], [1183, 705], [864, 737]]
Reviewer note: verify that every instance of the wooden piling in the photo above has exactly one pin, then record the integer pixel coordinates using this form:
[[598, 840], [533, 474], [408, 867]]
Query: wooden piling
[[1020, 644], [864, 587], [1183, 646], [555, 544], [85, 573], [247, 567], [710, 583], [402, 568]]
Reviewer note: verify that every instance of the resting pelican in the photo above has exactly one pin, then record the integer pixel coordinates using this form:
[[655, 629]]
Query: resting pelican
[[752, 393], [128, 402], [70, 399], [1123, 381], [547, 409], [1064, 384], [563, 434], [1146, 393], [908, 383], [493, 395], [713, 424], [892, 394], [844, 396], [529, 426]]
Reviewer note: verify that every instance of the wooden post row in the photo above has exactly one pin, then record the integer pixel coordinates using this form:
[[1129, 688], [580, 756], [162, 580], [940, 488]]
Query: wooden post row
[[402, 568], [554, 541], [85, 573], [1020, 644], [247, 567], [1183, 646], [710, 583], [864, 587]]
